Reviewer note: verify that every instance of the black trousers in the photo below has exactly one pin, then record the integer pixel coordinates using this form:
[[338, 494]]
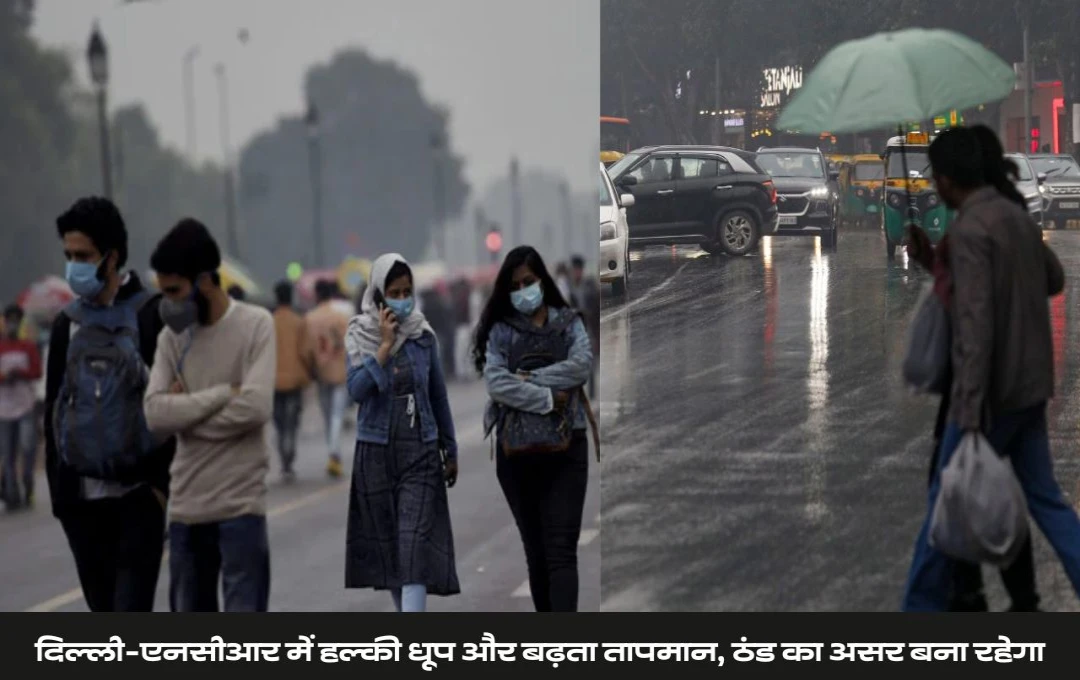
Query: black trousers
[[117, 544], [546, 494], [1018, 578], [287, 409]]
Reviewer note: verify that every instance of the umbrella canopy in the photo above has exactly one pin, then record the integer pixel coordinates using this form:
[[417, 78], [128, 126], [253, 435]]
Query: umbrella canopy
[[44, 298], [891, 78], [305, 285]]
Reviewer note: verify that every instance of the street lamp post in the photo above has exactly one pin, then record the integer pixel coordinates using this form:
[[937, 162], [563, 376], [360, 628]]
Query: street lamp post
[[226, 152], [97, 55], [569, 232], [515, 203], [438, 146], [311, 119], [189, 99]]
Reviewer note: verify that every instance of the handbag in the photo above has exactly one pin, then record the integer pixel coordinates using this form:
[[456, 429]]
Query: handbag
[[523, 433], [927, 360], [981, 513]]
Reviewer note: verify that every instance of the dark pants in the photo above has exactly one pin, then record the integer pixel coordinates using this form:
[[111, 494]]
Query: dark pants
[[117, 544], [546, 494], [448, 347], [287, 408], [236, 550], [1018, 578], [18, 448]]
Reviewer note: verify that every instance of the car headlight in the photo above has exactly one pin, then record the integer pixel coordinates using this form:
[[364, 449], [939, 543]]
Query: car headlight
[[819, 192], [608, 232], [895, 200], [1042, 189]]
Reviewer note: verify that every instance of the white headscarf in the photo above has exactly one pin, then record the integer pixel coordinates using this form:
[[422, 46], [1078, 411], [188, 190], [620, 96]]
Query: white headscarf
[[364, 335]]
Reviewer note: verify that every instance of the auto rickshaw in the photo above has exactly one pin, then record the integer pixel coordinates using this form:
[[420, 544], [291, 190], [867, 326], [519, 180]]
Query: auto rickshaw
[[907, 162], [862, 180]]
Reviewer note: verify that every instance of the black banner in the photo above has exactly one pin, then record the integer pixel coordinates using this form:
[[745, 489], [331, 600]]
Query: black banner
[[541, 645]]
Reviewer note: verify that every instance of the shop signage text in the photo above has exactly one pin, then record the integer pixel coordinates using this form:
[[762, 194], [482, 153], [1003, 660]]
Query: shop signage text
[[779, 81]]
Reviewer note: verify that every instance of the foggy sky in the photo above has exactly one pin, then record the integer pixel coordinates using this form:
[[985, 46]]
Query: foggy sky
[[521, 76]]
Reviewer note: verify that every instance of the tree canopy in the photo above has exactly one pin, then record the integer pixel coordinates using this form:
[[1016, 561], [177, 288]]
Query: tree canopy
[[381, 143], [377, 141]]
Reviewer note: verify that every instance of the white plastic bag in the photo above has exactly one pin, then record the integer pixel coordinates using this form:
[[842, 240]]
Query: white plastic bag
[[980, 514], [926, 363]]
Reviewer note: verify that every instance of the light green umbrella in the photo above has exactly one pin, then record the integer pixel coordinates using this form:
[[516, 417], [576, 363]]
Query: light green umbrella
[[889, 78]]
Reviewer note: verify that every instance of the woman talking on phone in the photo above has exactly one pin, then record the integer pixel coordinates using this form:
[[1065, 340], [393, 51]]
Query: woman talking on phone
[[399, 537], [535, 356]]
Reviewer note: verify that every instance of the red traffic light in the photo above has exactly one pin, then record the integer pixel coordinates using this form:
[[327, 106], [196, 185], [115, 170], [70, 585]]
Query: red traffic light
[[493, 241]]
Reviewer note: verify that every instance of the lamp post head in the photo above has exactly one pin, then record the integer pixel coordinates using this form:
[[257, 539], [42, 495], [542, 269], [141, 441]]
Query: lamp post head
[[97, 54]]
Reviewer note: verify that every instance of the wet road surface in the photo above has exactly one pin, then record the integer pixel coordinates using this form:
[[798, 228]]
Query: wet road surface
[[307, 537], [760, 450]]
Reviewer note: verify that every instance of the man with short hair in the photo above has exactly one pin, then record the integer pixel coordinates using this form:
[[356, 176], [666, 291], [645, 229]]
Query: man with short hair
[[293, 375], [1002, 355], [326, 327], [20, 367], [212, 385], [116, 526]]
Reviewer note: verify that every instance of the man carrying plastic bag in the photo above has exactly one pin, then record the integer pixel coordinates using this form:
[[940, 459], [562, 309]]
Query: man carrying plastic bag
[[1002, 361]]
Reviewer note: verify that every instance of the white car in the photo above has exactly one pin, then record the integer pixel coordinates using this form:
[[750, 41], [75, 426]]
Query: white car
[[614, 236]]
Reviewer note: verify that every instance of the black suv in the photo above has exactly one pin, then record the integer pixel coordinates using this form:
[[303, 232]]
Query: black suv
[[714, 196], [1060, 189], [809, 201]]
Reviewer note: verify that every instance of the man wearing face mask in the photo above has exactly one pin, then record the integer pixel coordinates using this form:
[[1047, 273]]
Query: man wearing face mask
[[212, 385], [115, 526]]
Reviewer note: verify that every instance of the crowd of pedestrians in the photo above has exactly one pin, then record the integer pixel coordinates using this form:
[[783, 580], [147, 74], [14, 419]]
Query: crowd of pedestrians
[[161, 406]]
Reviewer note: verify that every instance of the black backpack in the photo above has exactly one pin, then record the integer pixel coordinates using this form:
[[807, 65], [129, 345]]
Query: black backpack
[[99, 424]]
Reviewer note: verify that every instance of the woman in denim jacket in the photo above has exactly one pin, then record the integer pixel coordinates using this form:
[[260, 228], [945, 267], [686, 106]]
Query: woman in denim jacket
[[545, 491], [399, 535]]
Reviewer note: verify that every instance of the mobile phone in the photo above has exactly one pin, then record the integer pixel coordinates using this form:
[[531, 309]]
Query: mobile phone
[[380, 301]]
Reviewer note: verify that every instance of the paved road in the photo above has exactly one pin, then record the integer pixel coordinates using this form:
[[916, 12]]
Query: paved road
[[307, 538], [760, 450]]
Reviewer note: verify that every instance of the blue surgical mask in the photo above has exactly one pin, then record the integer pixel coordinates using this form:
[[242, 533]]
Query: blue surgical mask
[[401, 308], [83, 279], [528, 299]]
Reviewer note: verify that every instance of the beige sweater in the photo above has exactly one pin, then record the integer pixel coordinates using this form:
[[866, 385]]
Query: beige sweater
[[222, 454]]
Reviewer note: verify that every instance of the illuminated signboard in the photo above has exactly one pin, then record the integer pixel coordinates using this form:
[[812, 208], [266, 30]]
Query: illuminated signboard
[[779, 81], [734, 122]]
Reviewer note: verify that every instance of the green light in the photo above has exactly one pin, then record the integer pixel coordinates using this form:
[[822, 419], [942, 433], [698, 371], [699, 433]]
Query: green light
[[294, 271]]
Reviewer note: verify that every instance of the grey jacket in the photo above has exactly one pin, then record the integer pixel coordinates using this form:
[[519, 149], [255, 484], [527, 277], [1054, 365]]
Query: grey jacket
[[1002, 274]]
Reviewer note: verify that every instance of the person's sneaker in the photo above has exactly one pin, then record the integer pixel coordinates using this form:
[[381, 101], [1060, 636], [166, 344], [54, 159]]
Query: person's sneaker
[[334, 468]]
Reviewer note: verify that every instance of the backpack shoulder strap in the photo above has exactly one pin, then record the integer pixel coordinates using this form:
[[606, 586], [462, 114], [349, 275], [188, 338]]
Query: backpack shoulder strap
[[565, 321], [75, 311]]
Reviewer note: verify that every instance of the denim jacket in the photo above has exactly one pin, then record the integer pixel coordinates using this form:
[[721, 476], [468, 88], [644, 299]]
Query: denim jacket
[[535, 395], [372, 387]]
